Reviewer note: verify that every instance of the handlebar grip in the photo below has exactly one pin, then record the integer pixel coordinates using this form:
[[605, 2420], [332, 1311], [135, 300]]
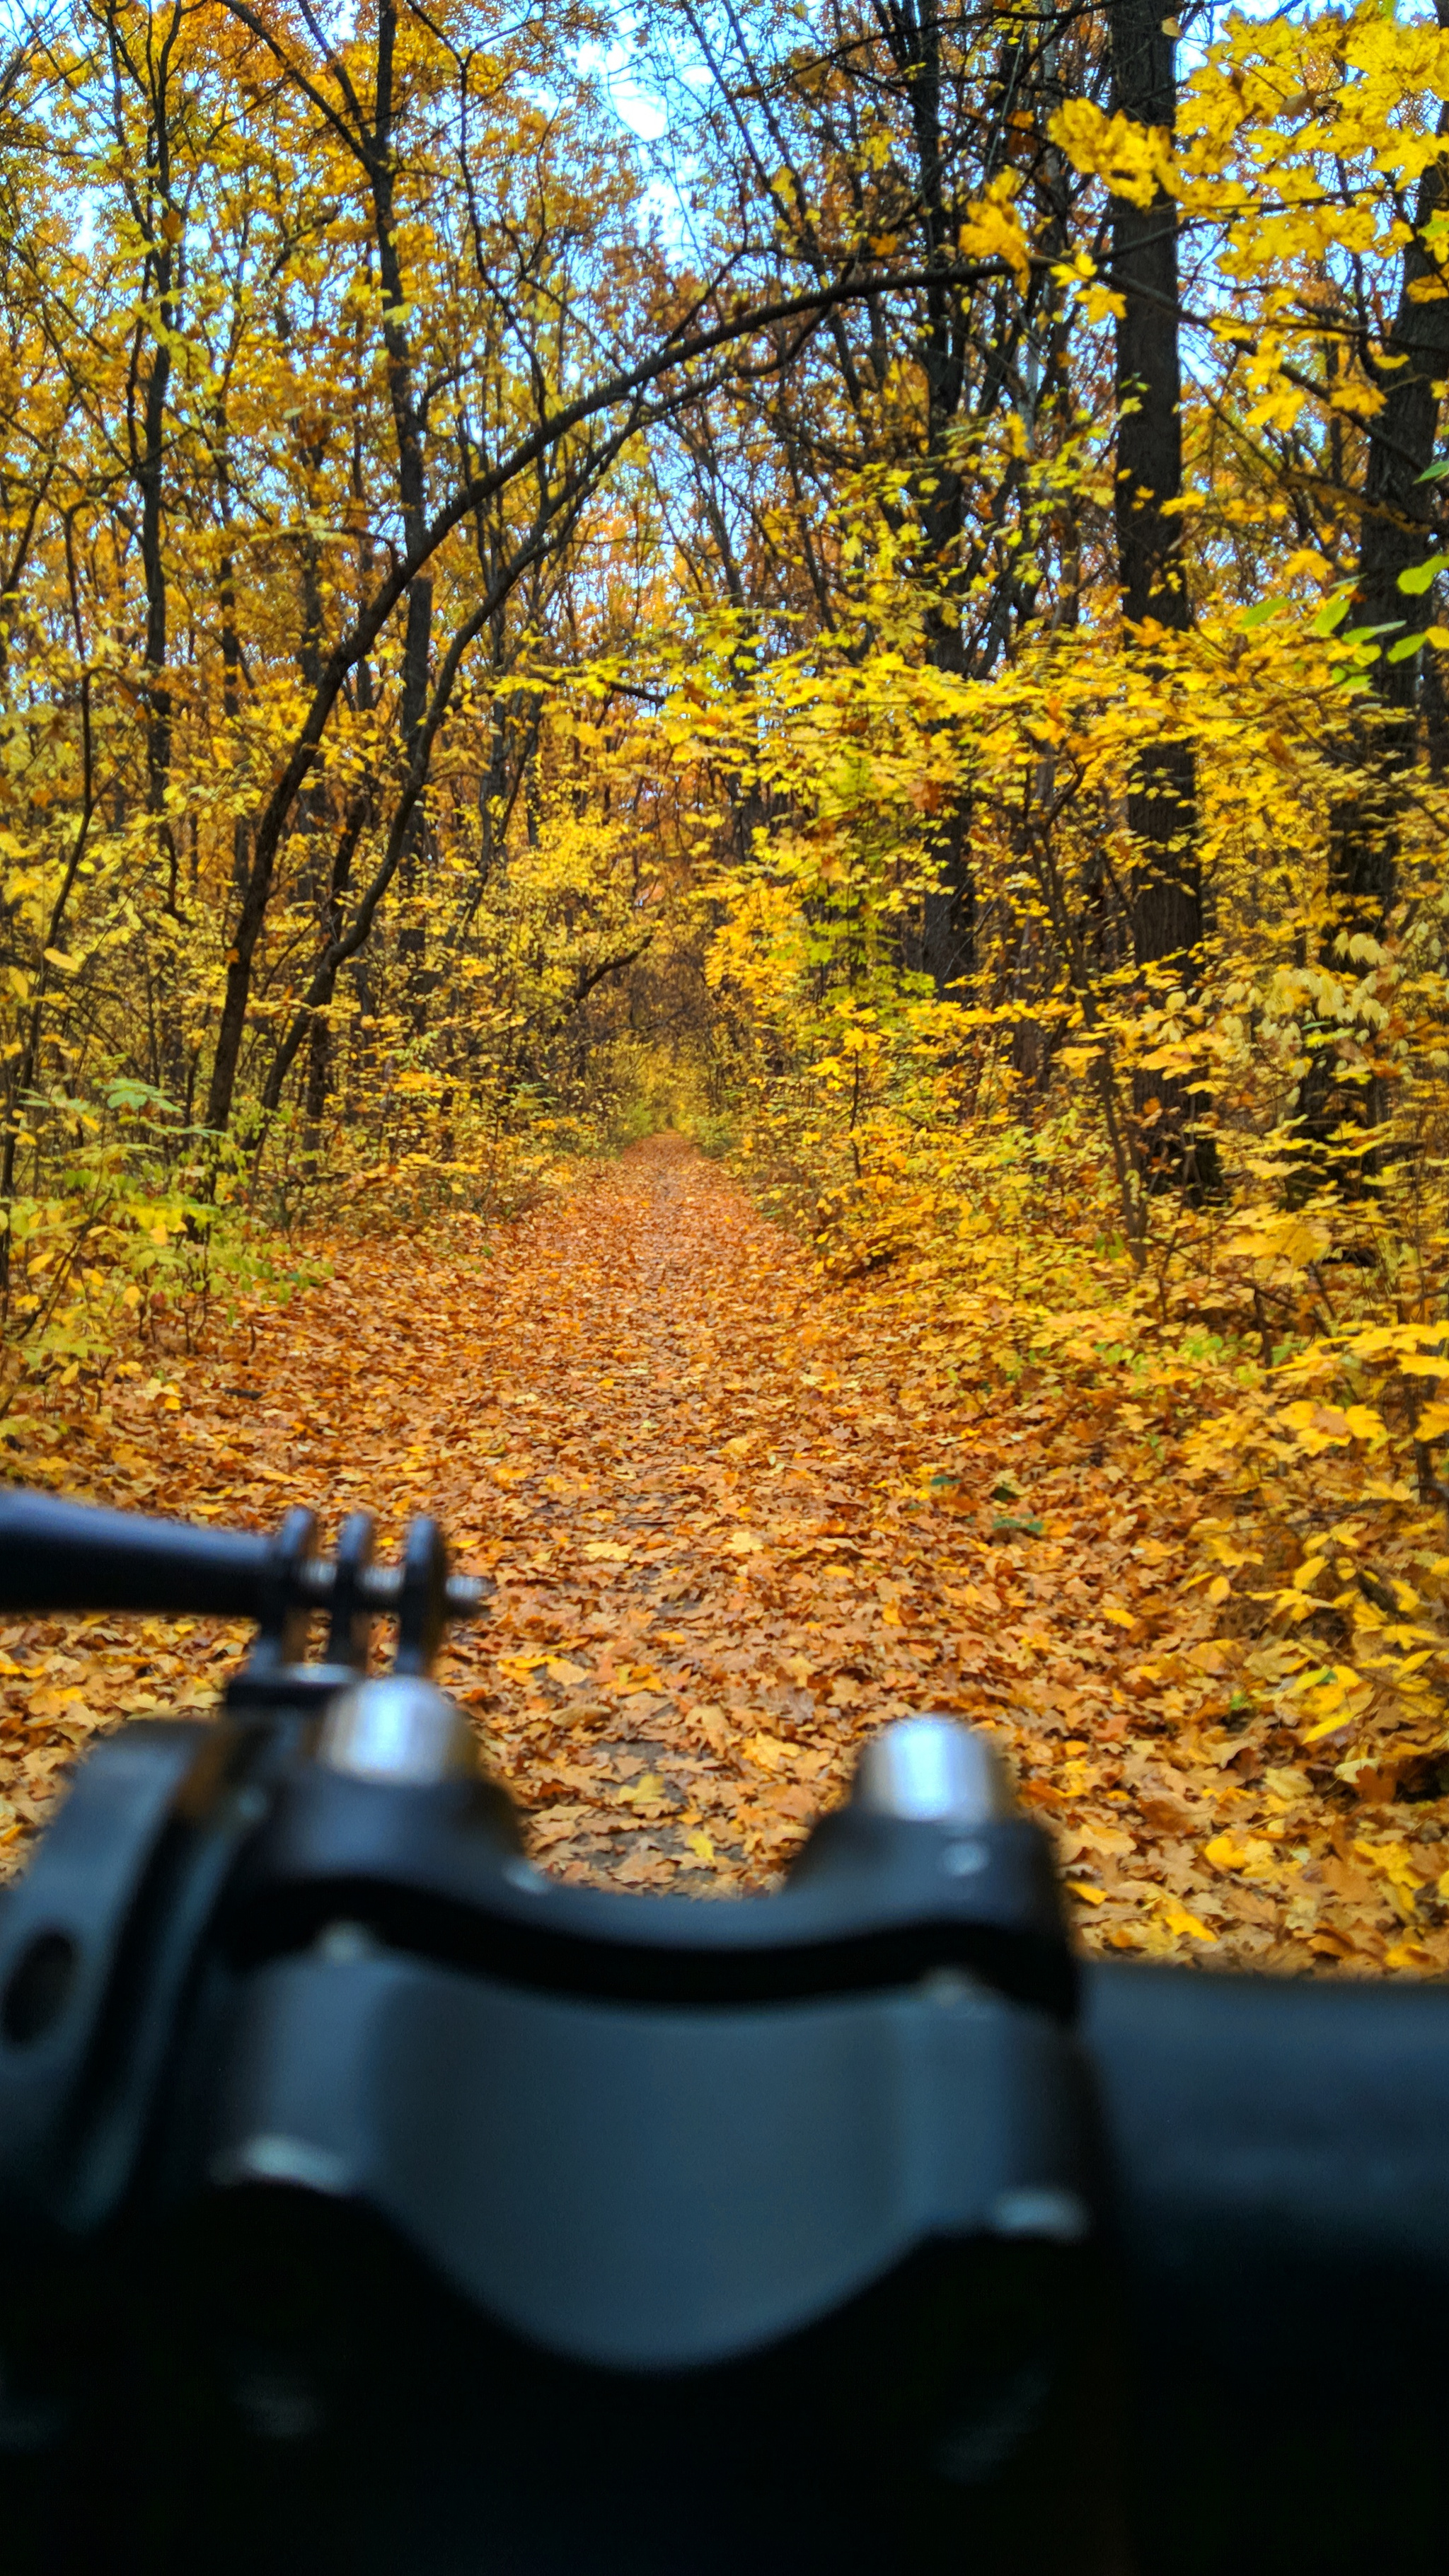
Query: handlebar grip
[[1280, 2157], [1275, 2112], [59, 1555]]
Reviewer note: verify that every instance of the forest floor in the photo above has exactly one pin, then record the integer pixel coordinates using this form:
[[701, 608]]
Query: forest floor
[[737, 1518]]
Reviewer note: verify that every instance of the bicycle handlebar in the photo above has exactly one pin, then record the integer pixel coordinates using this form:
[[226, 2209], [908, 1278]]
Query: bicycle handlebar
[[371, 2201]]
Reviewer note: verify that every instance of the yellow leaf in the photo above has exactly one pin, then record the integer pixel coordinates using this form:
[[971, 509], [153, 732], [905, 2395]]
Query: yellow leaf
[[559, 1669], [1119, 1616], [1219, 1589], [642, 1792], [1135, 160], [992, 229], [604, 1551], [1294, 1239], [1318, 1426], [519, 1668], [1223, 1852], [700, 1844], [1252, 1858], [1177, 1919], [1100, 304], [1326, 1726], [1091, 1895], [1407, 1954], [1395, 1863]]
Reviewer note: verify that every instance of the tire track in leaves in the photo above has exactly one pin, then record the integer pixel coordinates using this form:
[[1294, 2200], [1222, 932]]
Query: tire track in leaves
[[737, 1520]]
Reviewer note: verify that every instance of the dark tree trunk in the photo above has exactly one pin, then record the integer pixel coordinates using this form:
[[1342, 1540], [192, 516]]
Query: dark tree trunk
[[1149, 374], [1397, 506], [1363, 842], [1167, 897], [149, 458], [231, 658], [410, 429], [148, 74], [948, 918]]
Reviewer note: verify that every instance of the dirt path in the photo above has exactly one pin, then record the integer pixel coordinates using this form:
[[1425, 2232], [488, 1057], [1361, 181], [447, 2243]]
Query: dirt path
[[736, 1520]]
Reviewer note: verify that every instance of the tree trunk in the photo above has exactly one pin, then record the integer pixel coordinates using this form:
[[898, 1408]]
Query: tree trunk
[[1397, 505], [1167, 898], [948, 913], [1363, 837], [147, 181], [410, 429]]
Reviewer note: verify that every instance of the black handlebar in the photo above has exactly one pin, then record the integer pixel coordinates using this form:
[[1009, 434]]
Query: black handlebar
[[59, 1555], [371, 2201]]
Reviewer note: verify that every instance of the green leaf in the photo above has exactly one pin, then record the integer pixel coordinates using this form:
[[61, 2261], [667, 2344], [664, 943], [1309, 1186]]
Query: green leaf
[[1406, 646], [1261, 611], [1331, 615], [1419, 577]]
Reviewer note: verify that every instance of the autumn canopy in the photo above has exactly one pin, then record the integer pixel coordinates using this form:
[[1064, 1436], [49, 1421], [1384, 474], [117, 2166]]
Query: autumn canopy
[[856, 582]]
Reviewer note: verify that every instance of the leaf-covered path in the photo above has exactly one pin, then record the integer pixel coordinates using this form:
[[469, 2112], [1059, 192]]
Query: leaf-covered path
[[736, 1519]]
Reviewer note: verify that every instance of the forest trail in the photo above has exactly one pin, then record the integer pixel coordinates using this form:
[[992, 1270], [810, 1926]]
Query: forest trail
[[737, 1519]]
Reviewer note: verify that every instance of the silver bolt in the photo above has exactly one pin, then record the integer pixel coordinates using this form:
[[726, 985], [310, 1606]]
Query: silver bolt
[[400, 1729], [343, 1944], [1041, 2209], [947, 1986], [268, 2156], [522, 1874], [933, 1770]]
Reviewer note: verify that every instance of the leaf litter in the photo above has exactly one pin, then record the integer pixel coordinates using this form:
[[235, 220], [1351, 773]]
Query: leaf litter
[[738, 1518]]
